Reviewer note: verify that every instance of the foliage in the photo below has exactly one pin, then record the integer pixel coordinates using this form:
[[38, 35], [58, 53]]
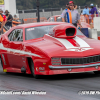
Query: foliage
[[31, 4]]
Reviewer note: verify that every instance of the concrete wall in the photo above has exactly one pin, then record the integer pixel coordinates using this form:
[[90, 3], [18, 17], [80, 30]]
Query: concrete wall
[[42, 14]]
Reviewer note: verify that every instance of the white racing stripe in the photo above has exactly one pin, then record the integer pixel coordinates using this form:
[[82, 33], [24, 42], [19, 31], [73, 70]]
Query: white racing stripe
[[81, 42], [17, 51], [65, 42], [68, 45]]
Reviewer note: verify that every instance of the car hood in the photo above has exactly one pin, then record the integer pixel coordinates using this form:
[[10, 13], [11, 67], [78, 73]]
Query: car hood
[[80, 46]]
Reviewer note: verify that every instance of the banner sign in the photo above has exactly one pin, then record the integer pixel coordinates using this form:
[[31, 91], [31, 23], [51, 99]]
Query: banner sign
[[1, 2]]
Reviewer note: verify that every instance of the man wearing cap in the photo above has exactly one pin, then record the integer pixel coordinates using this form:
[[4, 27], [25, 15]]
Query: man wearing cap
[[72, 15], [93, 9]]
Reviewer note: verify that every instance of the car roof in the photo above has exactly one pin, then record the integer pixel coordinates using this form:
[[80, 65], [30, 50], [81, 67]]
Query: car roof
[[39, 24]]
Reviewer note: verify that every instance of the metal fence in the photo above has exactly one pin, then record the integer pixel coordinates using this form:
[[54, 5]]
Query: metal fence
[[41, 10], [47, 12]]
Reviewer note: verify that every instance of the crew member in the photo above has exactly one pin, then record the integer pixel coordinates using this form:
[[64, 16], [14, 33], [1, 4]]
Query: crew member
[[72, 15], [15, 18], [93, 9], [9, 19], [86, 14], [86, 11], [64, 13], [2, 21]]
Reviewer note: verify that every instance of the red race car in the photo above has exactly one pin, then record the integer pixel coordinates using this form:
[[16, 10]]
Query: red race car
[[57, 18], [48, 48]]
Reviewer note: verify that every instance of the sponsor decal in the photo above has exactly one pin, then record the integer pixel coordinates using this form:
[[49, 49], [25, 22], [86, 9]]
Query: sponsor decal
[[22, 92], [78, 49], [17, 51], [30, 29]]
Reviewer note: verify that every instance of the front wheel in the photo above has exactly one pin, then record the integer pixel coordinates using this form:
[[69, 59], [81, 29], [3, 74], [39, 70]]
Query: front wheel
[[33, 71]]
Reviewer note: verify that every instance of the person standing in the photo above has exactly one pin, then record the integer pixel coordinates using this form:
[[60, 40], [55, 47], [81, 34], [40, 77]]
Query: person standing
[[64, 13], [86, 11], [99, 11], [93, 10], [9, 19], [71, 16], [86, 14], [74, 16], [15, 18], [2, 21]]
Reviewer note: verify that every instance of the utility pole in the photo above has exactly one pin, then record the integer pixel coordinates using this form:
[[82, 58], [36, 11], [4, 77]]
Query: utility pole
[[38, 14]]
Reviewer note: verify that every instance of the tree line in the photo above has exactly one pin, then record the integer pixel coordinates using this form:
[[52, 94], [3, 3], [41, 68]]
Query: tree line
[[31, 4]]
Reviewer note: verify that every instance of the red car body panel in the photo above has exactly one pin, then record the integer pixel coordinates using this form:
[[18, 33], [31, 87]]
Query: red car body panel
[[15, 54]]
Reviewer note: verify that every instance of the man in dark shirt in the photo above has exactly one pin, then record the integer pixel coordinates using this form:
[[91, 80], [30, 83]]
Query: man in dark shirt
[[9, 19], [93, 9]]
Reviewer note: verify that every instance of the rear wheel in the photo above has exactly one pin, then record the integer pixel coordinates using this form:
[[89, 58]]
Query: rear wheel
[[33, 71], [97, 72], [1, 64]]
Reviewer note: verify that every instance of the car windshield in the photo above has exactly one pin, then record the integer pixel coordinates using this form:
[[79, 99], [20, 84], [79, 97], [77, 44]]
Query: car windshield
[[38, 32]]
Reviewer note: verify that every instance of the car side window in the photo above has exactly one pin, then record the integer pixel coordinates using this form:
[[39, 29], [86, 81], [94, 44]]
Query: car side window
[[52, 19], [16, 35], [10, 36], [58, 19]]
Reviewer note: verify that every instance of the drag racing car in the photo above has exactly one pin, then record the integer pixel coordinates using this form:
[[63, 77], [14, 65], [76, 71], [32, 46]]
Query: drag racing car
[[48, 48]]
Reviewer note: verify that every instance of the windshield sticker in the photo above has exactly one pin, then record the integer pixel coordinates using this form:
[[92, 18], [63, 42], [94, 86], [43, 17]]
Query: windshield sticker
[[30, 29]]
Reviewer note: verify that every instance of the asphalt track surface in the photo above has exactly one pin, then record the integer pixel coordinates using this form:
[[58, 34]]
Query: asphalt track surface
[[58, 87]]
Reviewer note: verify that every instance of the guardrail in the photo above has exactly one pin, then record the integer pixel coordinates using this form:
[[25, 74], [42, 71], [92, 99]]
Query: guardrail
[[41, 10], [33, 20], [49, 9]]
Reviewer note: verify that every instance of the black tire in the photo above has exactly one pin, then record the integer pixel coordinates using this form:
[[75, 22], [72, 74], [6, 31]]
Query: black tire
[[32, 71], [97, 72], [1, 63]]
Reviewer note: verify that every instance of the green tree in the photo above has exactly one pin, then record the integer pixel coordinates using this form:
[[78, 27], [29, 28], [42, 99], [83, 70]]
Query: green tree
[[31, 4]]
